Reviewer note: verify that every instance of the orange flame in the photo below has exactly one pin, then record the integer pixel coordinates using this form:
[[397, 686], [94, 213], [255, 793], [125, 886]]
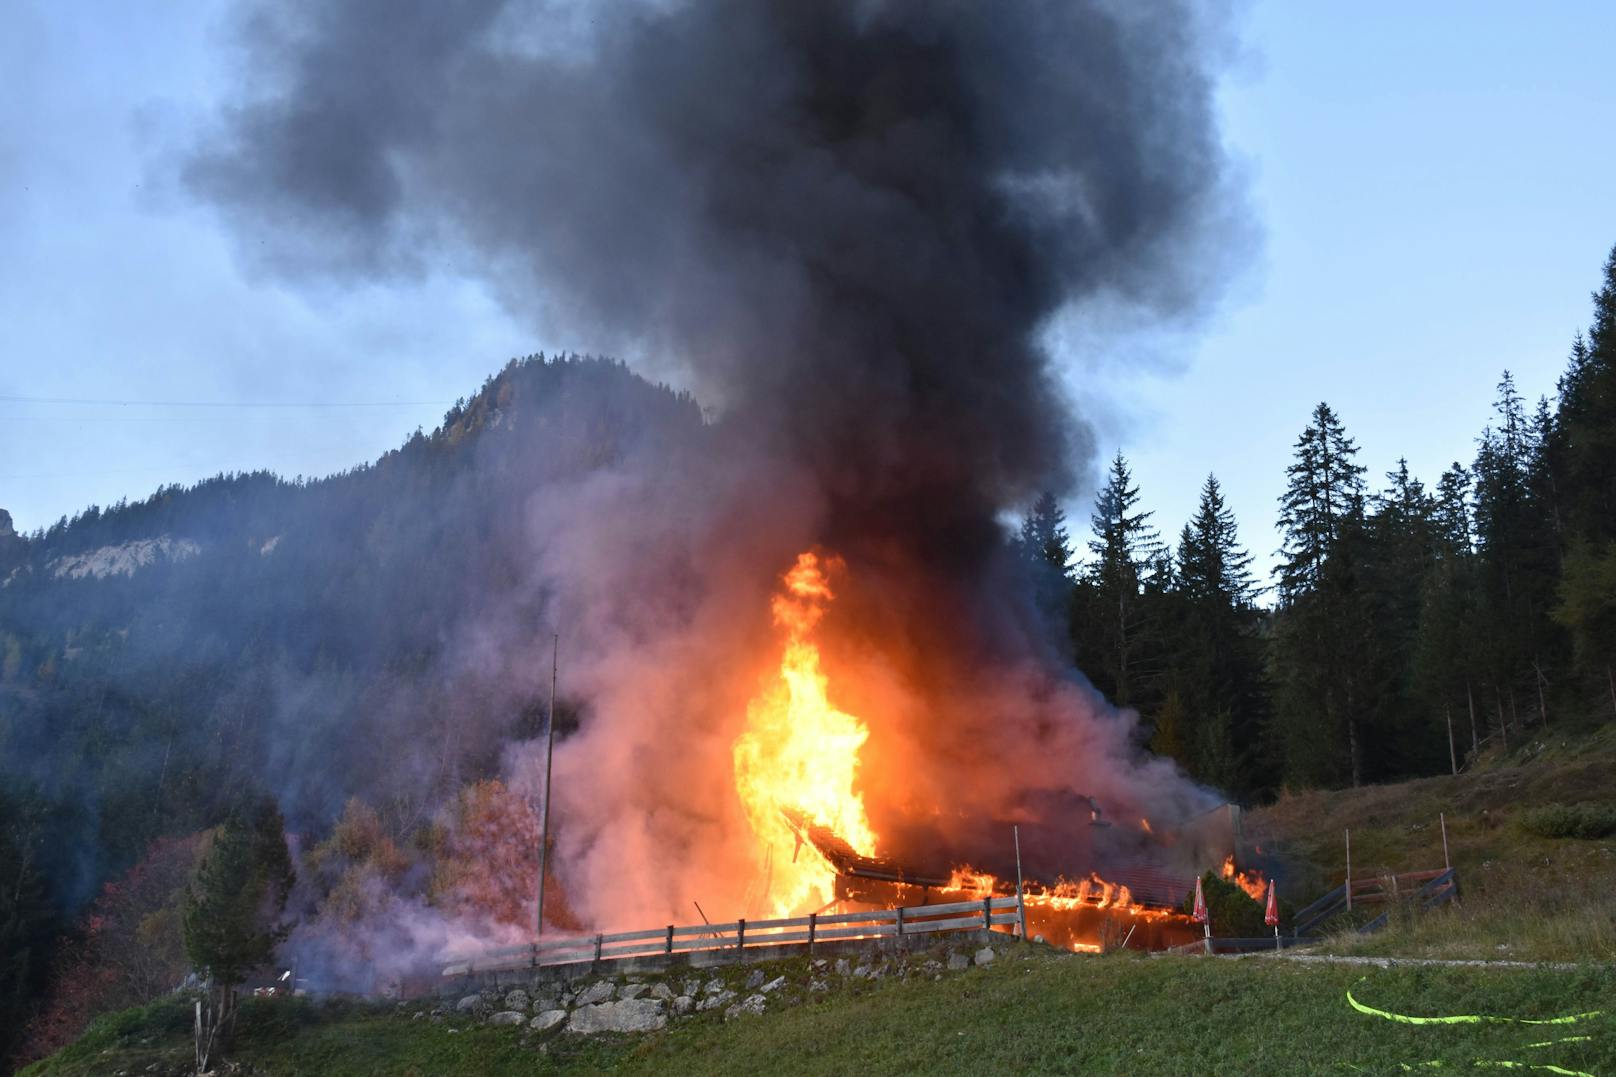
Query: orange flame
[[1252, 882], [799, 753]]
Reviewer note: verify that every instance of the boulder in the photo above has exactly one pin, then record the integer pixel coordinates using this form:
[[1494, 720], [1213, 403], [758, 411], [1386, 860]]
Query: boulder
[[683, 1005], [691, 988], [755, 980], [818, 986], [517, 1000], [750, 1007], [508, 1017], [662, 991], [596, 993], [629, 992], [958, 961], [773, 985], [984, 956], [469, 1004], [629, 1015], [843, 968], [713, 1002], [547, 1020], [714, 986]]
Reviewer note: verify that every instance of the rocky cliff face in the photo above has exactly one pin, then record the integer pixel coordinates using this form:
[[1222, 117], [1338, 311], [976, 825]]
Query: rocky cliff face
[[12, 546]]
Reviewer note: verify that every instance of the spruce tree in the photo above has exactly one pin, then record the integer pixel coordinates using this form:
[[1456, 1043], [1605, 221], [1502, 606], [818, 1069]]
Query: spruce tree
[[1517, 563], [1046, 553], [1122, 579], [1322, 625], [1216, 690], [1323, 493], [231, 917], [1043, 534], [1399, 553], [1586, 435]]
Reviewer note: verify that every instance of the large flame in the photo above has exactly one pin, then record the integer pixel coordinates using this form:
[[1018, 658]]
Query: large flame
[[1252, 882], [799, 755]]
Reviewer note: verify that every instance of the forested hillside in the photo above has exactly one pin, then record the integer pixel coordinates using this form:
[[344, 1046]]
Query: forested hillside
[[1410, 626], [314, 640]]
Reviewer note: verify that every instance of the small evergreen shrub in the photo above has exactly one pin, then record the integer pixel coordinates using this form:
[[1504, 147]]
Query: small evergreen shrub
[[1571, 821]]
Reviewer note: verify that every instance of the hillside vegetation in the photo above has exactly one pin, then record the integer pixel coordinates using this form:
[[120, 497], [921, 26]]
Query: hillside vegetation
[[1033, 1010], [1525, 894]]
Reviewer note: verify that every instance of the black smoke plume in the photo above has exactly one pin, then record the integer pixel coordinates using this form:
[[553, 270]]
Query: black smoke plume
[[847, 226]]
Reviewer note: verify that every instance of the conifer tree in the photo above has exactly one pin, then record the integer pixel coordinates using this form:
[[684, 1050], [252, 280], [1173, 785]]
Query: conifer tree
[[1216, 697], [1323, 494], [1043, 534], [1586, 429], [1517, 563], [1446, 670], [1322, 624], [1045, 549], [1128, 555], [1399, 552], [231, 918]]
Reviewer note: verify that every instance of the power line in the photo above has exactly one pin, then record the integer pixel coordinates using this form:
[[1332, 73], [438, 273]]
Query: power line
[[86, 401]]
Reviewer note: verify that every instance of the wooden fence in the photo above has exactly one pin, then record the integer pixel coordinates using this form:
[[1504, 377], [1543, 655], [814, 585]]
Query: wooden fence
[[1430, 888], [736, 935]]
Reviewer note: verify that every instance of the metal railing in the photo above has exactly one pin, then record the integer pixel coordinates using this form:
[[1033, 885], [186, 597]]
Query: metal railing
[[736, 935]]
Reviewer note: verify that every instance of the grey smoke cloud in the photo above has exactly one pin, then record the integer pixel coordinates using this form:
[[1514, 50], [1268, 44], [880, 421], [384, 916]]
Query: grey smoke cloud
[[847, 224]]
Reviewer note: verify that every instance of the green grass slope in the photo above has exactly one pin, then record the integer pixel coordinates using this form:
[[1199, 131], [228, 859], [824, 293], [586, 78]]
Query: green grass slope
[[1032, 1011], [1524, 895]]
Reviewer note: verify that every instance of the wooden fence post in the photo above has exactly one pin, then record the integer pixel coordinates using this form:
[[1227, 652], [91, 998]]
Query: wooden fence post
[[1453, 757], [1349, 869], [987, 913], [1021, 908], [670, 938], [740, 935], [813, 922], [1442, 817], [900, 921], [598, 940]]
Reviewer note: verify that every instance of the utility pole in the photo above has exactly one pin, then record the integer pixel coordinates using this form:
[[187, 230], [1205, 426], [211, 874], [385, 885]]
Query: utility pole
[[549, 757]]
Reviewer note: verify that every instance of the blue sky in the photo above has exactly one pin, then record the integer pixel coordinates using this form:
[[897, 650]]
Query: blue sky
[[1434, 183]]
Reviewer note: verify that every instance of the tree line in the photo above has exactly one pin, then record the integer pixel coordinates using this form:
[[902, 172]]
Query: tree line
[[1407, 629]]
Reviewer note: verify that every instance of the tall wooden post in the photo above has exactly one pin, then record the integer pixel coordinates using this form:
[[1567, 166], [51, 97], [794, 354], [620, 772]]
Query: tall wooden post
[[1470, 699], [1442, 817], [1349, 869], [1453, 759], [549, 758], [1503, 726]]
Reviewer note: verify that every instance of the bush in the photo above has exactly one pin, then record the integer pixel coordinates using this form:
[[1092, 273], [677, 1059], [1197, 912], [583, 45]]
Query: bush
[[1234, 914], [1571, 821]]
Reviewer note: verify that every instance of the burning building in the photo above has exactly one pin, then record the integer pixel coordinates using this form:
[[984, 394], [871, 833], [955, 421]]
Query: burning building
[[884, 243]]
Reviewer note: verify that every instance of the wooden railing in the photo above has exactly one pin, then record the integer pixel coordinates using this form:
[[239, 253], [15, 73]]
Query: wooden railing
[[1427, 888], [1379, 888], [736, 935]]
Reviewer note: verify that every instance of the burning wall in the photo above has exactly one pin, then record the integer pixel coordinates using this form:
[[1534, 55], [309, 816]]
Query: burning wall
[[849, 227]]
